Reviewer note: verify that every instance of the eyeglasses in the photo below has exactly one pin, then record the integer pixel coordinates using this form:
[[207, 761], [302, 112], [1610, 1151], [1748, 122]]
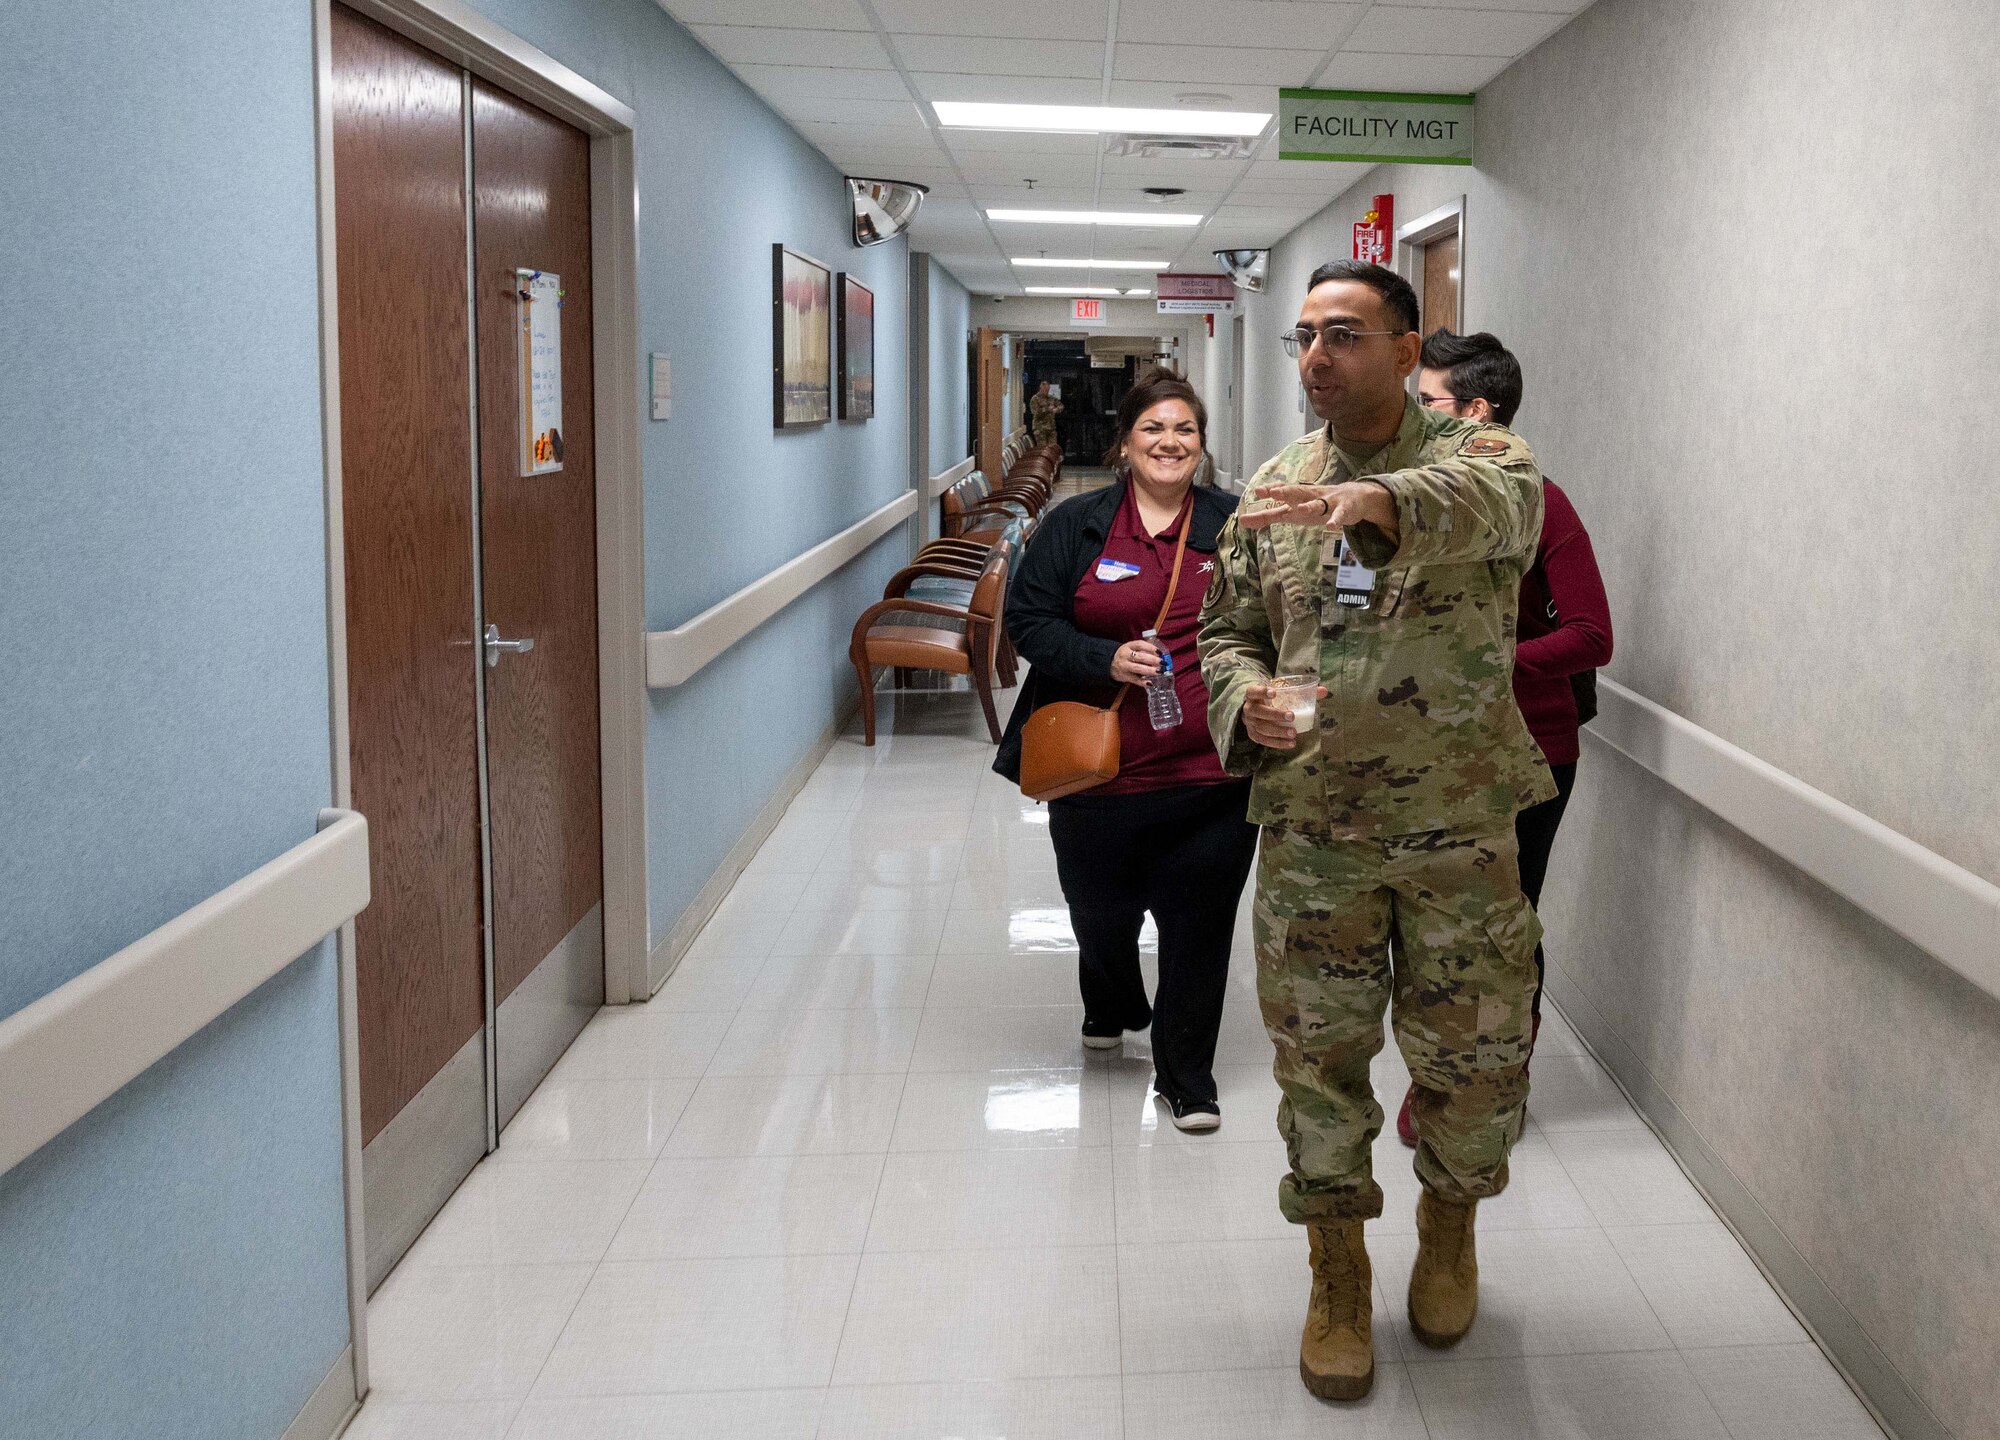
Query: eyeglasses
[[1439, 402], [1338, 339]]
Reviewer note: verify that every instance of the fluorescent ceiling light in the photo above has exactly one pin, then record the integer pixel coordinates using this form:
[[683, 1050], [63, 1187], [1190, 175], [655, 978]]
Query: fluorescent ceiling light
[[1154, 265], [1139, 293], [1094, 217], [1098, 119], [1071, 289]]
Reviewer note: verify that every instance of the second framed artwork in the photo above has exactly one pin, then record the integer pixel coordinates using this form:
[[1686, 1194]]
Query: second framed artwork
[[857, 350], [801, 325]]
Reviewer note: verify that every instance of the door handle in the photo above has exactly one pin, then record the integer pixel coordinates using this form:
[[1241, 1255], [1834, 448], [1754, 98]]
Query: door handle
[[495, 646]]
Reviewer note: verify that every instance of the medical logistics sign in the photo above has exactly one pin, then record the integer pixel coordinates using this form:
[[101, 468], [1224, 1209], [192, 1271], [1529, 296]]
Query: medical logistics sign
[[1375, 127]]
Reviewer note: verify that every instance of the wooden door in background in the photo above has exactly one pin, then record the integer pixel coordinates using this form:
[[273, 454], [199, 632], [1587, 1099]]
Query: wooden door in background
[[407, 501], [1441, 284], [531, 210], [989, 391]]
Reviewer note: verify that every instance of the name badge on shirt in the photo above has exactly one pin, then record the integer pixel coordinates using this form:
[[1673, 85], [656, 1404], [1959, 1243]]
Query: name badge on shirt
[[1110, 570], [1353, 582]]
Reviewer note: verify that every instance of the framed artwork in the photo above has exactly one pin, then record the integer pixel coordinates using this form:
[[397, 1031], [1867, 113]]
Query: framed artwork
[[801, 332], [857, 349]]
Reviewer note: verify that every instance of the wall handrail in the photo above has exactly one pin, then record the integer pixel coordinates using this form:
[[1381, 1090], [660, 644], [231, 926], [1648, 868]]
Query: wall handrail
[[945, 479], [1938, 906], [66, 1053], [672, 656]]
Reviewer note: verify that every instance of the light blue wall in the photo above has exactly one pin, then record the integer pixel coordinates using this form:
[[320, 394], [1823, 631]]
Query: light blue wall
[[173, 1266], [950, 389], [728, 498]]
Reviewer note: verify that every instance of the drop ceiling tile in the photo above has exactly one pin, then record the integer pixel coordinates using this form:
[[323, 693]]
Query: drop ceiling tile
[[1196, 66], [892, 114], [853, 135], [1193, 174], [1236, 23], [791, 14], [1010, 89], [887, 160], [1125, 193], [1042, 197], [1038, 239], [1047, 171], [789, 82], [1042, 19], [1019, 142], [1215, 95], [1392, 29], [754, 45], [1446, 74], [973, 55], [1570, 7]]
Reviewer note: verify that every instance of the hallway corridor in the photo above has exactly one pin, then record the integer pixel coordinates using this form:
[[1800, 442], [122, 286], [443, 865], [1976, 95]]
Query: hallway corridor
[[850, 1175]]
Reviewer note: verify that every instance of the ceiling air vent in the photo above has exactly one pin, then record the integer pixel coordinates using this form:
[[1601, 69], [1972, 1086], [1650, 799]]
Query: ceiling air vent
[[1180, 147]]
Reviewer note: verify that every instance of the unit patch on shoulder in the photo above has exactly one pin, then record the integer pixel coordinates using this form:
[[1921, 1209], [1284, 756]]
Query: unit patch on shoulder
[[1485, 445]]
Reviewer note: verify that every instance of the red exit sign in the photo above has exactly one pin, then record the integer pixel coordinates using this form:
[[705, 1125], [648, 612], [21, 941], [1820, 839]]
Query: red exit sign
[[1086, 312]]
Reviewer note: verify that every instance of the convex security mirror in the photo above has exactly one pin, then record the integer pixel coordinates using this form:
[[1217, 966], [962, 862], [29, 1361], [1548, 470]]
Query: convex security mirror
[[1245, 267], [883, 209]]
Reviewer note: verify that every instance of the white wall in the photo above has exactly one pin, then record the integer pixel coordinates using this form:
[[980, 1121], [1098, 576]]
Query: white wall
[[1741, 248]]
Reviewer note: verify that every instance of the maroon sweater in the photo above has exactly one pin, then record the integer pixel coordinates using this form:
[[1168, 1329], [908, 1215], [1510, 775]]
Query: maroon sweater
[[1565, 627]]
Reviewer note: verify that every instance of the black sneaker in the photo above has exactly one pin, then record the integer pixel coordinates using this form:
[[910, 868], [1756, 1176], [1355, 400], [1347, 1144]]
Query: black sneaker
[[1099, 1036], [1194, 1115]]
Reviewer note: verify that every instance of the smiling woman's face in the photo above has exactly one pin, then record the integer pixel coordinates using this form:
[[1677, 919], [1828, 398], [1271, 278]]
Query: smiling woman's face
[[1164, 445]]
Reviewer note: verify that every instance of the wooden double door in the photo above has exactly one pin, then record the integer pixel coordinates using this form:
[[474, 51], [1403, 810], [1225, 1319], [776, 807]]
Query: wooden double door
[[471, 605]]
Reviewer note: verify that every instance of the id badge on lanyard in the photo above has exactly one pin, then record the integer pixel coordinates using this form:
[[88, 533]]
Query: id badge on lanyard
[[1353, 582]]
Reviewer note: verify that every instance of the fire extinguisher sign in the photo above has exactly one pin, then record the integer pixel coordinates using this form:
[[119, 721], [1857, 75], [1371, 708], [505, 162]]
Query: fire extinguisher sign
[[1374, 231]]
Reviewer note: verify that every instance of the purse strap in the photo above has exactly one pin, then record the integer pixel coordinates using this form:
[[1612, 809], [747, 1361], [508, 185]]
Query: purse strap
[[1173, 584]]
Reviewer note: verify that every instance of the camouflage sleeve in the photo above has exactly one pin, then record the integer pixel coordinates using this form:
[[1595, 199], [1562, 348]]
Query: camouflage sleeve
[[1235, 644], [1481, 502]]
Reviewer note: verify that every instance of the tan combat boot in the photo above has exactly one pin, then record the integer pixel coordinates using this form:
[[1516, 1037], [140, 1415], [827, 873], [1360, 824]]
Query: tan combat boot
[[1444, 1285], [1337, 1351]]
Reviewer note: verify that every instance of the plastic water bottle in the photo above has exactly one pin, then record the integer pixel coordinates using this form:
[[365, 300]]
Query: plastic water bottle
[[1163, 706]]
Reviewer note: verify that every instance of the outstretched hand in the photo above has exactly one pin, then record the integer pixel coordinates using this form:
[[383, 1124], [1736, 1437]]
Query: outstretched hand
[[1332, 507]]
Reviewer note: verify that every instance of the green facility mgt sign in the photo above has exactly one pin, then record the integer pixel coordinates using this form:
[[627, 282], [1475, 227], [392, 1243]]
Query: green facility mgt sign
[[1374, 126]]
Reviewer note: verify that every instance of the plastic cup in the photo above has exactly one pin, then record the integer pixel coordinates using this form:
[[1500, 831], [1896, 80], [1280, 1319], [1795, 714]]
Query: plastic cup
[[1300, 695]]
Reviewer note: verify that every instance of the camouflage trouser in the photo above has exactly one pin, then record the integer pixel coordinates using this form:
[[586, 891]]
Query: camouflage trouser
[[1043, 432], [1329, 914]]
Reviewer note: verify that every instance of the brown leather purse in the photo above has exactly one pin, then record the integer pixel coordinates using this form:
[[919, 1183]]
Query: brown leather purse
[[1068, 746]]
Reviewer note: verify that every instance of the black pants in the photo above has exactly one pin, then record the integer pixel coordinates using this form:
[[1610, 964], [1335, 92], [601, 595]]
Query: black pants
[[1183, 854], [1536, 828]]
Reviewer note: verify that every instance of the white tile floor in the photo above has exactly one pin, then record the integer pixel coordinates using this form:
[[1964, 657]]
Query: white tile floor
[[850, 1175]]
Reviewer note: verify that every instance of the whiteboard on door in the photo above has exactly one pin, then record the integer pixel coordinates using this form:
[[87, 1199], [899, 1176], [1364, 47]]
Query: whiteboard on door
[[541, 371]]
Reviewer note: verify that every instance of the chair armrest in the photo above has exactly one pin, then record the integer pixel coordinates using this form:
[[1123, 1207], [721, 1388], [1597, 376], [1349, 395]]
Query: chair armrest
[[899, 583]]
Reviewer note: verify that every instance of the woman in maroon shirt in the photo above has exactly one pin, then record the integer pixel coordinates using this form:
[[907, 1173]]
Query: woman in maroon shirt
[[1168, 835], [1565, 625]]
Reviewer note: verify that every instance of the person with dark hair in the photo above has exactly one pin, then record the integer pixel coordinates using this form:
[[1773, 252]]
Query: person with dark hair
[[1565, 627], [1382, 555], [1474, 377], [1167, 834]]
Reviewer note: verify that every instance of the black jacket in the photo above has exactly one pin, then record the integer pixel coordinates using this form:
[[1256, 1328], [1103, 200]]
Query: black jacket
[[1064, 663]]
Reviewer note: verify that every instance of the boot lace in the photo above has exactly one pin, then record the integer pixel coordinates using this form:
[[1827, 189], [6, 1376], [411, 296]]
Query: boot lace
[[1337, 1292]]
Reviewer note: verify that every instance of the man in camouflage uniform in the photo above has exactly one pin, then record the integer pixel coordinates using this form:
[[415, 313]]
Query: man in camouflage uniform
[[1042, 411], [1383, 553]]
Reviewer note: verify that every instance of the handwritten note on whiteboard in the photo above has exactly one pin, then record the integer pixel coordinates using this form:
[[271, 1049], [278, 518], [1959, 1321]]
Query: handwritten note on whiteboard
[[541, 371]]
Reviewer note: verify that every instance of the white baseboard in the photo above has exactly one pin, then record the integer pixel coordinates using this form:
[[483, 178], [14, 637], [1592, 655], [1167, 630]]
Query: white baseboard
[[667, 953], [332, 1405]]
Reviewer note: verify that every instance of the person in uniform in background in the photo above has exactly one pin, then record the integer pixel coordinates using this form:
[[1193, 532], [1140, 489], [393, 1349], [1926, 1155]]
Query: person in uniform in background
[[1565, 633], [1383, 553], [1042, 411]]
